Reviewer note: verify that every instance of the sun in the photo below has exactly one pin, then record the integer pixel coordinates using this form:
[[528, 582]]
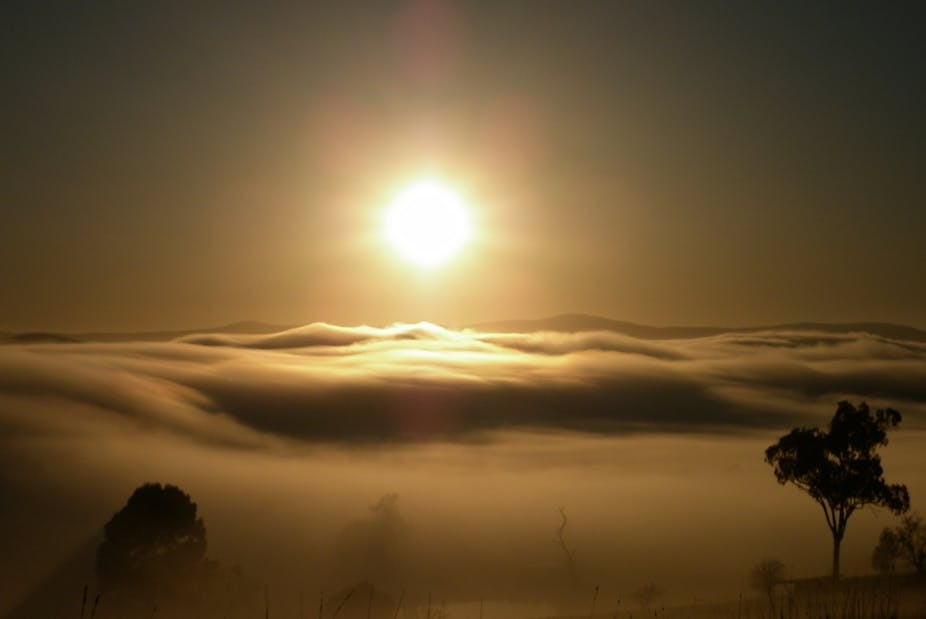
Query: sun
[[427, 223]]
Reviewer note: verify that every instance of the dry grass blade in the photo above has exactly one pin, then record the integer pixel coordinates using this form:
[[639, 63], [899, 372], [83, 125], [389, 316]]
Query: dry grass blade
[[343, 602], [399, 604]]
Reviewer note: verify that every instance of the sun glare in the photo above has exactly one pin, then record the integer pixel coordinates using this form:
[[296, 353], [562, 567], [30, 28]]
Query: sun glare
[[427, 223]]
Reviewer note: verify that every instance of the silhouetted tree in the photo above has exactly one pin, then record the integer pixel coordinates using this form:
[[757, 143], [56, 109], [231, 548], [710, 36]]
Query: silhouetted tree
[[884, 556], [906, 541], [371, 548], [569, 554], [765, 576], [647, 594], [156, 538], [839, 468]]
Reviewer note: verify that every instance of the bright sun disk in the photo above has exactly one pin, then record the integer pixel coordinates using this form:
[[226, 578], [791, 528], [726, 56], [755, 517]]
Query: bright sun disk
[[427, 223]]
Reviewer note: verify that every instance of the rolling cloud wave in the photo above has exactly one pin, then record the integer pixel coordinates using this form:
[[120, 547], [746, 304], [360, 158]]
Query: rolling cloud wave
[[327, 383]]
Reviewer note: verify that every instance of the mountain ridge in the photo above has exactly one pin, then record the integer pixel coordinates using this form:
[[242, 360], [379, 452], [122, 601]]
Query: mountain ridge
[[574, 322], [566, 323], [250, 327]]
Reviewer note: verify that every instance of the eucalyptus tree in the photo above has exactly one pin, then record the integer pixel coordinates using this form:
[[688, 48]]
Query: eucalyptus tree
[[839, 466]]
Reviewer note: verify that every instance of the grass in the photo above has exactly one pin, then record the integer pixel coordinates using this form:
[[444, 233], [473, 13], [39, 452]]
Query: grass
[[899, 597], [857, 598]]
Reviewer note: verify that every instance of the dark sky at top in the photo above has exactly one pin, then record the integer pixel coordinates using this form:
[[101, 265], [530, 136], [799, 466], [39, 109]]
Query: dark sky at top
[[175, 164]]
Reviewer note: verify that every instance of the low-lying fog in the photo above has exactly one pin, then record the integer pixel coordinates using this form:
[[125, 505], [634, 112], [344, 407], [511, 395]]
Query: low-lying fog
[[293, 444]]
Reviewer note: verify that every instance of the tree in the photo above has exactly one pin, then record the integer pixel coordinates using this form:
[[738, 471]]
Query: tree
[[839, 467], [906, 541], [911, 536], [765, 576], [156, 538], [884, 556], [569, 554], [372, 548], [647, 594]]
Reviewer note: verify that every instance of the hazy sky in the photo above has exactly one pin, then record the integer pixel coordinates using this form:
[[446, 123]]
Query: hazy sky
[[175, 164]]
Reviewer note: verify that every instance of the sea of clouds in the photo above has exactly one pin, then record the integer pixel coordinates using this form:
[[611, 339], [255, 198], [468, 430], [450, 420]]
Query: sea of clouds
[[422, 382], [285, 440]]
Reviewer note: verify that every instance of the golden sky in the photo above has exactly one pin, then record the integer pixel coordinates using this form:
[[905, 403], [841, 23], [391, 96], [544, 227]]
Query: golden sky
[[168, 166]]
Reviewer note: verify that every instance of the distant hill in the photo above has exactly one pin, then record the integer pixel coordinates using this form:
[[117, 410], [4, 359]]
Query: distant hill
[[572, 323], [244, 327], [566, 323], [38, 338]]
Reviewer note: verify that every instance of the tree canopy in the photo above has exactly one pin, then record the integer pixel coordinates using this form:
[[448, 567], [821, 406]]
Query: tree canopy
[[839, 467], [156, 537], [906, 541], [765, 576]]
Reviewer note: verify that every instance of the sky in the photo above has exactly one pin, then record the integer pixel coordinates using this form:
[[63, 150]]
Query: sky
[[167, 165]]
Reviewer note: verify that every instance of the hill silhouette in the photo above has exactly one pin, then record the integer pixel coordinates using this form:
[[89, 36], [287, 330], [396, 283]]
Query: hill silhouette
[[571, 323], [565, 323], [250, 327], [38, 337]]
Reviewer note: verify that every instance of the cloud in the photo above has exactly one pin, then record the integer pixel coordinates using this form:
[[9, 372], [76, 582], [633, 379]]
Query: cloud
[[327, 383], [322, 334], [286, 438]]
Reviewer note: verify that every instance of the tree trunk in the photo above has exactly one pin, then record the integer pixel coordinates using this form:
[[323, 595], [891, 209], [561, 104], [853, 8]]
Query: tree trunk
[[837, 539]]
